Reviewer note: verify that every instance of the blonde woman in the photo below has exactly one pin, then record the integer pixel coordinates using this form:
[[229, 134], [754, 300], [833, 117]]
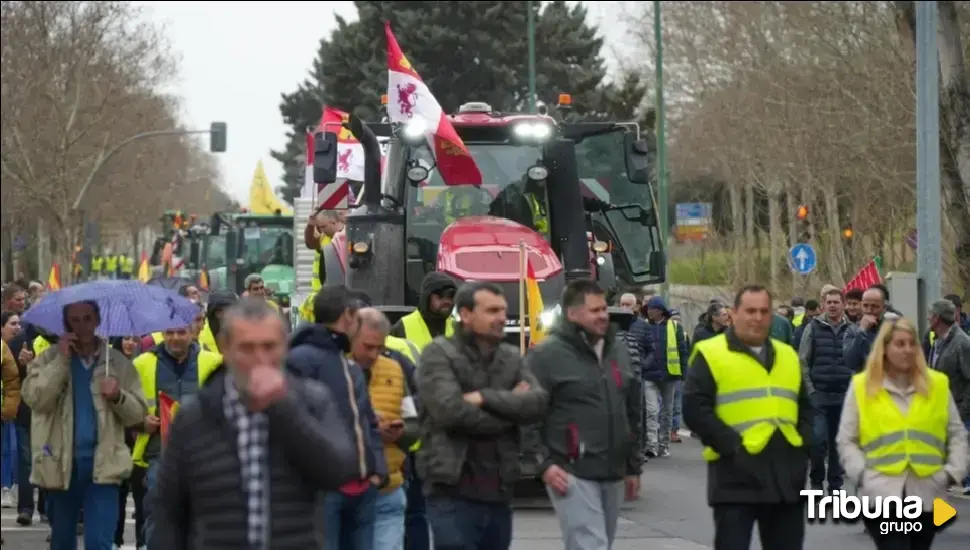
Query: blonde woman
[[901, 434]]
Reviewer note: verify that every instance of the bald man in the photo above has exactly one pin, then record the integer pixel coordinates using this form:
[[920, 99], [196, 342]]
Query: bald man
[[858, 339]]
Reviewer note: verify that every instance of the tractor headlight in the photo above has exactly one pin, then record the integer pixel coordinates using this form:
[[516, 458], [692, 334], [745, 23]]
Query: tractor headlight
[[415, 129], [533, 131]]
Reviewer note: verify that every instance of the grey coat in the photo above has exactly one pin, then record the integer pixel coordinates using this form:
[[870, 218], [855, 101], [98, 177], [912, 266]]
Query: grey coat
[[954, 361]]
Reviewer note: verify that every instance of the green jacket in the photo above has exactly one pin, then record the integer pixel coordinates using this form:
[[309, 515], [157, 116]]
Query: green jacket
[[593, 418], [782, 330]]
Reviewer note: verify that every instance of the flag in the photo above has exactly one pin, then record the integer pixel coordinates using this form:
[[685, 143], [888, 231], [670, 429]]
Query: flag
[[167, 407], [262, 200], [411, 102], [350, 153], [204, 278], [54, 278], [536, 332], [866, 277], [144, 272]]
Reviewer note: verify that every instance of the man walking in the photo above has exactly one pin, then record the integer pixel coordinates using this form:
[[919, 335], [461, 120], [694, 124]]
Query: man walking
[[663, 369], [476, 393], [247, 459], [827, 378], [858, 340], [950, 354], [746, 399], [588, 436]]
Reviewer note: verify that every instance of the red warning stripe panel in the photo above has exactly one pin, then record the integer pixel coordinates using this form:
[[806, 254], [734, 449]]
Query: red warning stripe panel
[[334, 196]]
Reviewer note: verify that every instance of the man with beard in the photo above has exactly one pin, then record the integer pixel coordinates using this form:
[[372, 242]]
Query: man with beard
[[859, 338], [433, 316], [478, 395]]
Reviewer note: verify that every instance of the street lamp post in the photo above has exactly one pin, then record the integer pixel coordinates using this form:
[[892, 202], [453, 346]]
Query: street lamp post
[[929, 263], [662, 149], [217, 144]]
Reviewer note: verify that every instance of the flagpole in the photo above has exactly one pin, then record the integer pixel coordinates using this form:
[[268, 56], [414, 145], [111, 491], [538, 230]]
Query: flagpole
[[522, 311]]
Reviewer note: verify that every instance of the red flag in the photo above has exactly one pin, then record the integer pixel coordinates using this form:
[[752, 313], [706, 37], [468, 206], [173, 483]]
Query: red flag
[[54, 278], [865, 278], [166, 412], [411, 103]]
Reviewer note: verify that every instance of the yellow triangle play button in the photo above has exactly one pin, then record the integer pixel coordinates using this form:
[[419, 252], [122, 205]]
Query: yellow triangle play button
[[942, 512]]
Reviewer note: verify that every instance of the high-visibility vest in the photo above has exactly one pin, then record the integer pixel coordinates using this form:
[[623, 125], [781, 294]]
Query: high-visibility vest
[[146, 365], [403, 347], [540, 219], [798, 320], [893, 441], [127, 265], [158, 337], [753, 401], [206, 339], [317, 260], [306, 308], [96, 263], [40, 345], [416, 330], [673, 350], [111, 264]]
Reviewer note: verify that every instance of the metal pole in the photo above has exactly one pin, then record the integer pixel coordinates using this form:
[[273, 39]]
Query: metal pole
[[929, 264], [532, 57], [662, 149]]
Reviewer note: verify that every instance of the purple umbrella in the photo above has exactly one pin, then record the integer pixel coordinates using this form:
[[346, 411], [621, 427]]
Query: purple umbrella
[[128, 308]]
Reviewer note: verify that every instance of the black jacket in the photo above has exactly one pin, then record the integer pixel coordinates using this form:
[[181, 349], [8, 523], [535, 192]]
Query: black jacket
[[198, 501], [776, 474]]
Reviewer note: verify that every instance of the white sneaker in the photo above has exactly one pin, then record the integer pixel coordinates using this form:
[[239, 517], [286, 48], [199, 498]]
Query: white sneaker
[[6, 499]]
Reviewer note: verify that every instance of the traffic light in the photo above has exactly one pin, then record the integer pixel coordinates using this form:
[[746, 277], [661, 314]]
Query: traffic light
[[217, 137], [804, 224], [848, 233]]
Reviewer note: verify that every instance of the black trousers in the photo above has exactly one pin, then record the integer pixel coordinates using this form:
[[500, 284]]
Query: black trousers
[[136, 486], [780, 526], [913, 540]]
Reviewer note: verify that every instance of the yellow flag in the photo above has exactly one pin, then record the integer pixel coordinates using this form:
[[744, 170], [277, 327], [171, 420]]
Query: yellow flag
[[144, 272], [536, 332], [262, 200]]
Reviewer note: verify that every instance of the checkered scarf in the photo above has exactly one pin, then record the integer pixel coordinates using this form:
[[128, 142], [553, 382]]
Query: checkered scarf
[[252, 437]]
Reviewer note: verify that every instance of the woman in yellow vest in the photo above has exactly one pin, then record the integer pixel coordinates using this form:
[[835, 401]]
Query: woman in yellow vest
[[901, 435]]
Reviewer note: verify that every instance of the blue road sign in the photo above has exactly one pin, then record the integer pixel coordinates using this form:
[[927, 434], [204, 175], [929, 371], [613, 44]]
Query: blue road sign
[[802, 258]]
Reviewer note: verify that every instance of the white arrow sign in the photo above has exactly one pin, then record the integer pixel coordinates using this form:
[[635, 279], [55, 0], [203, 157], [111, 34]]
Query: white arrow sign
[[802, 258]]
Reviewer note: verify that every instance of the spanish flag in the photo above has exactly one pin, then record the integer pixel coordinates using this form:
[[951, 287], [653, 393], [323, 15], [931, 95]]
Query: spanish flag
[[204, 278], [536, 332], [167, 407], [54, 278], [144, 272]]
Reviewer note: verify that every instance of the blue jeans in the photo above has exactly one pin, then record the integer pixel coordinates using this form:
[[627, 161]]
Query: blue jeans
[[100, 503], [460, 524], [151, 474], [416, 533], [389, 520], [826, 427], [349, 520], [25, 491], [678, 409], [8, 450]]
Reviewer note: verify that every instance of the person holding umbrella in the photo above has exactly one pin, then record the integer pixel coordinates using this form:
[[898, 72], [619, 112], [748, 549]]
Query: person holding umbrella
[[83, 394]]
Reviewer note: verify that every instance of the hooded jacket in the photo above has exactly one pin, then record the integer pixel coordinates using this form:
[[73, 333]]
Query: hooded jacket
[[434, 282], [655, 365], [218, 301], [317, 353]]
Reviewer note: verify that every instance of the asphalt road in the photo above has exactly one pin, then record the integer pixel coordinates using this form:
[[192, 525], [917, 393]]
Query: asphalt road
[[671, 515]]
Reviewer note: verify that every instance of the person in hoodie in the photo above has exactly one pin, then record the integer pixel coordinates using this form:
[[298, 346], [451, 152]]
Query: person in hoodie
[[318, 351], [858, 340], [433, 316], [827, 378], [663, 369], [178, 367]]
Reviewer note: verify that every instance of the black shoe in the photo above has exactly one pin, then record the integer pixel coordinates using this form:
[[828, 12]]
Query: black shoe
[[24, 520]]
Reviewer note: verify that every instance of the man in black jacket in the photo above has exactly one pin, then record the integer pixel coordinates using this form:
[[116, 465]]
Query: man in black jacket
[[738, 398], [242, 467]]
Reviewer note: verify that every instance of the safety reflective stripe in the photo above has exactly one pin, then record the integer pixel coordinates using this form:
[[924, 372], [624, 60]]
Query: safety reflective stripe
[[893, 438], [757, 393], [539, 218], [673, 351]]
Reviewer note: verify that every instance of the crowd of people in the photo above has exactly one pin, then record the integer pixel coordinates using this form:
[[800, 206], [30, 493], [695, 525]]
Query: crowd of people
[[354, 433]]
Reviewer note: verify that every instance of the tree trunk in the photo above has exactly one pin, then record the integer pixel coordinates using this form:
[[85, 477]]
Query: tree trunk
[[750, 270], [775, 237]]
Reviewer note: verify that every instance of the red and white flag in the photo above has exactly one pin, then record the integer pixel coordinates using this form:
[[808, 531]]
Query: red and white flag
[[866, 277], [411, 102], [331, 196], [350, 153]]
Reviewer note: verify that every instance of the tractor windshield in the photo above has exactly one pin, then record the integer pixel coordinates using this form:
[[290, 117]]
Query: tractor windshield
[[505, 192], [265, 245]]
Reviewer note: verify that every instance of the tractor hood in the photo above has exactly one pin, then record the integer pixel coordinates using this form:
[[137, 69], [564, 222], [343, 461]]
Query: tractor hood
[[279, 278], [486, 248]]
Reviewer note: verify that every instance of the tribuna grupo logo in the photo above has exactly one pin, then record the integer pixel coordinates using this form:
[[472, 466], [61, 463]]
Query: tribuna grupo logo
[[895, 514]]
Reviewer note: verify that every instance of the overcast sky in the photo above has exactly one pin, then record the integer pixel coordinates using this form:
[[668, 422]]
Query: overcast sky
[[238, 57]]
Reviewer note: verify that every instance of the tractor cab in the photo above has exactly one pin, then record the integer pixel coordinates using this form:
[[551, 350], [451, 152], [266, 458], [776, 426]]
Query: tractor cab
[[261, 244]]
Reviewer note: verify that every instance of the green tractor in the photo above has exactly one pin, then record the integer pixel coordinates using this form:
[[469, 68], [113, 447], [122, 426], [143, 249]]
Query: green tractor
[[240, 244]]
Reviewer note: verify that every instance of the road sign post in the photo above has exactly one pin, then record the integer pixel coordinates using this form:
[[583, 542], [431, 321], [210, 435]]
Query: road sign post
[[802, 258]]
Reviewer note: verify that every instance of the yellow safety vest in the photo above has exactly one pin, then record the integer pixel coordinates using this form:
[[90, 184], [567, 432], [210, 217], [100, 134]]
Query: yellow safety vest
[[40, 345], [403, 347], [158, 337], [539, 217], [673, 350], [317, 259], [386, 389], [306, 308], [127, 265], [750, 399], [96, 263], [416, 330], [798, 320], [146, 365], [893, 441], [111, 264], [207, 339]]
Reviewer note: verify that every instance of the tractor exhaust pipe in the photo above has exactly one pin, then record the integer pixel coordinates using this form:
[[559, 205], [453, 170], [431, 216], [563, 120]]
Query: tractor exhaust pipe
[[372, 160]]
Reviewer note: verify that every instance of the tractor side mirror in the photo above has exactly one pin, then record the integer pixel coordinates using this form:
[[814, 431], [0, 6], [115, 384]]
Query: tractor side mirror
[[324, 158], [637, 156]]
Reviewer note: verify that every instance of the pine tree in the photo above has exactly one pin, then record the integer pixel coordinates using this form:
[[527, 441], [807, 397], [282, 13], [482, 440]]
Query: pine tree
[[465, 51]]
